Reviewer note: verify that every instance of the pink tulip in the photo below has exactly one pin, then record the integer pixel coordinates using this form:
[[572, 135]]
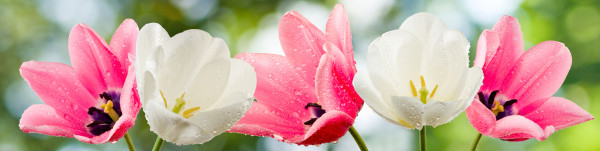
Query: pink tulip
[[515, 102], [83, 101], [305, 97]]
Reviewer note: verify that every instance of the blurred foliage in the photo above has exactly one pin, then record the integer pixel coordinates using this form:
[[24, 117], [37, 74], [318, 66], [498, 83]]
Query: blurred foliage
[[26, 31]]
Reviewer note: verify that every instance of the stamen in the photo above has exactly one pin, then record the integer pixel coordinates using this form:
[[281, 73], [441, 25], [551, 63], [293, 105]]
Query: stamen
[[482, 99], [433, 92], [188, 113], [163, 97], [422, 82], [492, 97], [412, 87], [310, 122], [509, 103]]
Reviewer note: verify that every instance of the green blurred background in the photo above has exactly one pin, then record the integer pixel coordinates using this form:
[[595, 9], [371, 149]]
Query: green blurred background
[[38, 30]]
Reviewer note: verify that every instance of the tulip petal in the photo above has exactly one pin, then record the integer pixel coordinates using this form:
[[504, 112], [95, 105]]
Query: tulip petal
[[149, 39], [242, 78], [123, 41], [446, 66], [486, 48], [393, 56], [328, 128], [57, 85], [43, 119], [500, 61], [302, 43], [467, 89], [96, 66], [538, 74], [334, 83], [173, 127], [559, 113], [480, 117], [371, 96], [438, 113], [338, 31], [207, 86], [516, 128], [410, 111], [426, 27], [186, 55]]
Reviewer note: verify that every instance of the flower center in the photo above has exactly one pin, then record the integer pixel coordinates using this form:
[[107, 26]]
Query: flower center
[[423, 92], [104, 117], [179, 105], [495, 104], [317, 111]]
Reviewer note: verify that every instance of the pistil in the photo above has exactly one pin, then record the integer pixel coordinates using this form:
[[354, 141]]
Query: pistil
[[180, 104], [108, 109], [423, 92]]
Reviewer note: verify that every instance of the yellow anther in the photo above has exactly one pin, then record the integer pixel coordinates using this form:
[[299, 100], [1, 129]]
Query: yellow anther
[[182, 95], [422, 82], [163, 97], [188, 113], [414, 90], [433, 92]]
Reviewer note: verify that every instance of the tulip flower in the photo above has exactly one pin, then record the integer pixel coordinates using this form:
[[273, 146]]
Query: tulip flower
[[515, 102], [191, 90], [305, 97], [418, 75], [95, 100]]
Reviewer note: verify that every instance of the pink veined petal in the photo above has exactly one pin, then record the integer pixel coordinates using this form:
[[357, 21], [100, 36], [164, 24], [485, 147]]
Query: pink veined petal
[[57, 85], [130, 106], [480, 117], [334, 83], [486, 47], [499, 61], [280, 125], [97, 67], [302, 43], [328, 128], [559, 113], [516, 128], [537, 75], [43, 119], [281, 94], [338, 31], [123, 41]]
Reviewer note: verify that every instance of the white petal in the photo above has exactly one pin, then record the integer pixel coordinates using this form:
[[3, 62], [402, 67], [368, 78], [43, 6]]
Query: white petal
[[452, 48], [242, 78], [208, 84], [410, 111], [185, 55], [367, 91], [149, 38], [438, 113], [467, 88], [148, 92], [219, 120], [394, 59], [173, 127], [427, 27]]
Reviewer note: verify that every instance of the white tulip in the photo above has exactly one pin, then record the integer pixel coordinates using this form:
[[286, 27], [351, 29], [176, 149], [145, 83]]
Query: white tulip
[[419, 74], [190, 88]]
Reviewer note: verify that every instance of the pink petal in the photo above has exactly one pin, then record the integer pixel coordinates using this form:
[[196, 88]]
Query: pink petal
[[334, 83], [123, 41], [486, 47], [480, 117], [130, 106], [537, 75], [499, 61], [328, 128], [281, 93], [516, 128], [97, 68], [43, 119], [338, 31], [57, 85], [559, 113], [302, 43]]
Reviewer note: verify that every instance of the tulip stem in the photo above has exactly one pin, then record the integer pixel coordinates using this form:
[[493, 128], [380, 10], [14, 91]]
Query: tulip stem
[[129, 142], [423, 139], [475, 142], [359, 141], [158, 144]]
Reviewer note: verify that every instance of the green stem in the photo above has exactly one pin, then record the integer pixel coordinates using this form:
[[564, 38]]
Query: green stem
[[157, 144], [475, 142], [423, 139], [359, 141], [129, 142]]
